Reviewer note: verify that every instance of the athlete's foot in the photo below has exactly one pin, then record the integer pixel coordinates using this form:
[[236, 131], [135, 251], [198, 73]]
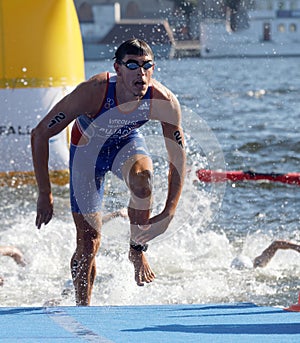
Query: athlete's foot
[[142, 271]]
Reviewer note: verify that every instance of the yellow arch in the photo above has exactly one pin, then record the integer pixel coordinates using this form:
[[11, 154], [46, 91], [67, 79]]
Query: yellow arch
[[40, 44], [40, 47]]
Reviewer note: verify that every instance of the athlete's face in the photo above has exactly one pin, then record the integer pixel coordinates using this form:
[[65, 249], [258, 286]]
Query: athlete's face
[[135, 73]]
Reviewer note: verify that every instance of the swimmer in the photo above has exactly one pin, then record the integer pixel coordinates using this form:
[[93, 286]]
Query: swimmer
[[244, 262], [13, 252], [266, 256]]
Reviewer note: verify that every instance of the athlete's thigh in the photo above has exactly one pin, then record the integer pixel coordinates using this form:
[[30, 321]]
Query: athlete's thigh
[[131, 157], [86, 186]]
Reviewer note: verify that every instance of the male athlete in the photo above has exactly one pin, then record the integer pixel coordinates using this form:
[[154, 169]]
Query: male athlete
[[108, 110]]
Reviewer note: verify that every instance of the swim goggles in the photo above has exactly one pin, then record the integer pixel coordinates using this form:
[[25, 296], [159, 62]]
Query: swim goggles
[[133, 65]]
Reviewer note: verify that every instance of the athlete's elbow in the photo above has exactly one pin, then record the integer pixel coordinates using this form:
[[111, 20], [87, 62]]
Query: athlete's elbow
[[33, 136], [34, 139], [34, 132], [36, 135], [37, 140]]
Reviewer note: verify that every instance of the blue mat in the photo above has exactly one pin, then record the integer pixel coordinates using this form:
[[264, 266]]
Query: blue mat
[[241, 322]]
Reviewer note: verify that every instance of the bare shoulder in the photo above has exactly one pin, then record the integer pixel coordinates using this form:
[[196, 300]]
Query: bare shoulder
[[87, 97], [165, 103], [100, 79], [161, 92], [95, 83]]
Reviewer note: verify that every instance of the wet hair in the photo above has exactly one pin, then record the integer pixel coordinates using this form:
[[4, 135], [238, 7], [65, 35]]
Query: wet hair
[[133, 46]]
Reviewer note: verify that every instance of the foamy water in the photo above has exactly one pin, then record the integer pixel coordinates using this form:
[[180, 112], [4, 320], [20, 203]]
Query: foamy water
[[193, 263]]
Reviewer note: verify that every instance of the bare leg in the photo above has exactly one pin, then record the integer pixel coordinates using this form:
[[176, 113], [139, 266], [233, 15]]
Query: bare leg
[[138, 172], [83, 264]]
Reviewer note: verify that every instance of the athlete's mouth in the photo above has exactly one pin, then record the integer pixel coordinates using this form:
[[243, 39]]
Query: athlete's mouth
[[140, 83]]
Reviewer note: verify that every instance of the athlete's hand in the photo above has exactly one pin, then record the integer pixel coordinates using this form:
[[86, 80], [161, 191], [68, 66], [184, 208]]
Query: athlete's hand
[[44, 209], [156, 226]]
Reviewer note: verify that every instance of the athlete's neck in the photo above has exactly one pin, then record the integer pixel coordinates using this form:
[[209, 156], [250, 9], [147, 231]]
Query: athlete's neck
[[126, 99]]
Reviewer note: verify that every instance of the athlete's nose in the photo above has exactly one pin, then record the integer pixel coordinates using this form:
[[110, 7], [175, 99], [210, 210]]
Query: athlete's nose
[[141, 70]]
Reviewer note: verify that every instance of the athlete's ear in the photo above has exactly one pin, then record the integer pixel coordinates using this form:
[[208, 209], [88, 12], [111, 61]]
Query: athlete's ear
[[117, 68]]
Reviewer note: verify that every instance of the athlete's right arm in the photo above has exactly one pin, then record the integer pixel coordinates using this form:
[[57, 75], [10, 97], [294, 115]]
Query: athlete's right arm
[[85, 99]]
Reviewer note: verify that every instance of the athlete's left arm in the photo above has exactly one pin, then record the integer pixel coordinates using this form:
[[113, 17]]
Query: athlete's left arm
[[174, 141], [166, 109]]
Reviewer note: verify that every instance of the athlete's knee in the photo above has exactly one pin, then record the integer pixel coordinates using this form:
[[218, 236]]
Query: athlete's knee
[[141, 184], [90, 242], [88, 232]]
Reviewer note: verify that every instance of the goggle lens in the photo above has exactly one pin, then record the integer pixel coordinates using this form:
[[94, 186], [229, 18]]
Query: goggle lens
[[135, 65]]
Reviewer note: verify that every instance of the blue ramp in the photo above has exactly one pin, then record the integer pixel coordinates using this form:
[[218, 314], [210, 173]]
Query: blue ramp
[[241, 322]]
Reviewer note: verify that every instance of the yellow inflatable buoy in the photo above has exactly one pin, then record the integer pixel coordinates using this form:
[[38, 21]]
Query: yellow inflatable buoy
[[41, 60]]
